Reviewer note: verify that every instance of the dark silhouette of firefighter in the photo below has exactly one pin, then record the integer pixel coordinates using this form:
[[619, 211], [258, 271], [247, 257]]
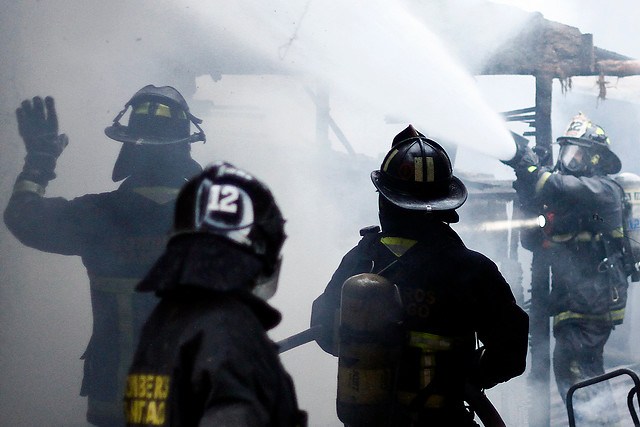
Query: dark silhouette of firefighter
[[406, 307], [582, 209], [204, 357], [117, 234]]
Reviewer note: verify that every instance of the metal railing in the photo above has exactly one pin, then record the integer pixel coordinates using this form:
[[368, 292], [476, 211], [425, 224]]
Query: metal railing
[[605, 377]]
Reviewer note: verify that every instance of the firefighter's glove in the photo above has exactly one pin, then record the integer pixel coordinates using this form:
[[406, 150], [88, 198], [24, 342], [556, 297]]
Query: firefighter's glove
[[38, 127], [524, 159]]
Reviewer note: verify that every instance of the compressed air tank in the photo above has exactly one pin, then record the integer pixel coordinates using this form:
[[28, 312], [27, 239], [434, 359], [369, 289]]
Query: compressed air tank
[[371, 340], [630, 183]]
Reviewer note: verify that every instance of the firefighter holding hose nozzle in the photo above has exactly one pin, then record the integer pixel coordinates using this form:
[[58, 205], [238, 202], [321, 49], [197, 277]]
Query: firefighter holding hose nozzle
[[420, 323], [582, 231]]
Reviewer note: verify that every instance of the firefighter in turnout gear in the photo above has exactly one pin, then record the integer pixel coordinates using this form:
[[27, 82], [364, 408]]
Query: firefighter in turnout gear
[[118, 234], [582, 212], [204, 357], [450, 296]]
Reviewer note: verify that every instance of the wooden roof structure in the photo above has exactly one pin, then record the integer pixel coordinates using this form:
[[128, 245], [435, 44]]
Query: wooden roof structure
[[556, 50]]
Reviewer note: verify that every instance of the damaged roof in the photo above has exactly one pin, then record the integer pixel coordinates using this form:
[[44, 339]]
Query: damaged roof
[[556, 50]]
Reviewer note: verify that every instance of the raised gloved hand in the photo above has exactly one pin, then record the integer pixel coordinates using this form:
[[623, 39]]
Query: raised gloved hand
[[39, 130]]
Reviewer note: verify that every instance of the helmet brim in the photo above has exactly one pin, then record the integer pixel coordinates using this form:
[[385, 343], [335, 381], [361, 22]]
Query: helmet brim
[[610, 163], [121, 133], [453, 198]]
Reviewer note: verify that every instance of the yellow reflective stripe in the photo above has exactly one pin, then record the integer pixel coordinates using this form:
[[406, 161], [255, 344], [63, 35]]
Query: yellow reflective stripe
[[428, 344], [618, 314], [426, 341], [163, 111], [583, 236], [123, 290], [142, 108], [433, 401], [532, 168], [567, 315], [431, 170], [418, 172], [427, 367], [586, 236], [618, 233], [391, 156], [398, 245], [24, 186], [116, 285], [542, 180], [160, 195], [126, 341]]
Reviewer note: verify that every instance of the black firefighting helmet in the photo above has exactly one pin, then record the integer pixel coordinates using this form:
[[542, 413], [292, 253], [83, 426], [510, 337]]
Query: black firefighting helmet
[[228, 202], [416, 174], [585, 149], [159, 116]]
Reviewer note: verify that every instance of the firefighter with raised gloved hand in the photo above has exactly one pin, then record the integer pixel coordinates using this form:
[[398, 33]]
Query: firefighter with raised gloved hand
[[117, 234], [205, 346], [406, 307], [582, 209]]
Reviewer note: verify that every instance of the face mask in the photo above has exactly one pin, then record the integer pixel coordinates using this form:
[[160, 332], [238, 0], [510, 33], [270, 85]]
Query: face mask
[[572, 158]]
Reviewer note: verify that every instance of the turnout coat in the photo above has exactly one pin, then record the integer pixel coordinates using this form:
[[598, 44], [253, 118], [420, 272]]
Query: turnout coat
[[451, 296]]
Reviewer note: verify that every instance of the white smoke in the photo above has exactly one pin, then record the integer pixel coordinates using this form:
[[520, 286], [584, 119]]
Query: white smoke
[[376, 52], [384, 69]]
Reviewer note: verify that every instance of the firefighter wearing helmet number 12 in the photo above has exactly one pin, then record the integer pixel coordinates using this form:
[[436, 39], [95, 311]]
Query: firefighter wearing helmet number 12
[[582, 231], [204, 357], [117, 234], [406, 306]]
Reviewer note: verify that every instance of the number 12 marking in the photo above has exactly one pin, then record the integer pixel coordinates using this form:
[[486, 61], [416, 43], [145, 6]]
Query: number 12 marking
[[223, 198]]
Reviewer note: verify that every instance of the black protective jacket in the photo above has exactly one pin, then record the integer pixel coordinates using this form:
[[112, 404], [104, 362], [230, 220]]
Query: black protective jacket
[[204, 358], [584, 237], [118, 235], [450, 294]]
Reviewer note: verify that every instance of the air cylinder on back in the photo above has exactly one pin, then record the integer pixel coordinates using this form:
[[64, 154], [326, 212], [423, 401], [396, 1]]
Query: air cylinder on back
[[630, 183], [371, 340]]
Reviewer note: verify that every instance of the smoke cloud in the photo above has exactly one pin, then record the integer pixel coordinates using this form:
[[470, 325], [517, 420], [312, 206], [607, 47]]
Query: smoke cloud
[[251, 70]]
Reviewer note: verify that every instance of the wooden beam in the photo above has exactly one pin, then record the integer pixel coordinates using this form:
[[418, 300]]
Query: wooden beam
[[618, 68]]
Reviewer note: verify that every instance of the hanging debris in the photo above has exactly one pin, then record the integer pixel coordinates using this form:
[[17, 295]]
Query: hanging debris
[[602, 86], [565, 85]]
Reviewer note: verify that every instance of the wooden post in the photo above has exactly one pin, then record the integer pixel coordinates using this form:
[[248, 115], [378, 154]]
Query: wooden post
[[544, 87], [540, 376]]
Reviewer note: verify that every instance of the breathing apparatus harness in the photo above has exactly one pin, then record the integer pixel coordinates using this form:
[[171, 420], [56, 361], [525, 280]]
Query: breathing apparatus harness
[[428, 344], [630, 260], [617, 261]]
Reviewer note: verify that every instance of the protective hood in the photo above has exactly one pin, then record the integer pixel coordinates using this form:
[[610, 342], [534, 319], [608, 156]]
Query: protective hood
[[204, 262], [156, 162]]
